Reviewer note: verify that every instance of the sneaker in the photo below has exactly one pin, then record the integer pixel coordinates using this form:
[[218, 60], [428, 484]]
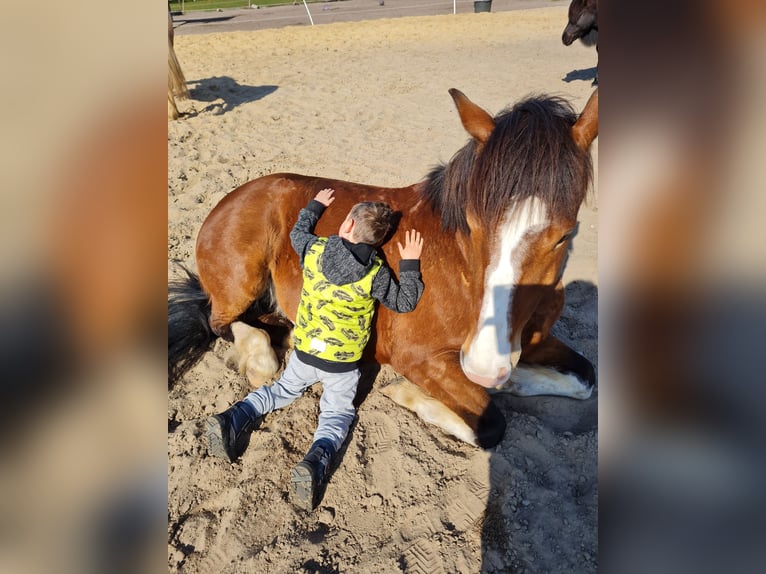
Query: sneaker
[[310, 475], [228, 433]]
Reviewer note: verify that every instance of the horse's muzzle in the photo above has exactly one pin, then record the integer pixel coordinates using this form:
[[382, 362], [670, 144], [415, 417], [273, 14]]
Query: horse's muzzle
[[489, 382]]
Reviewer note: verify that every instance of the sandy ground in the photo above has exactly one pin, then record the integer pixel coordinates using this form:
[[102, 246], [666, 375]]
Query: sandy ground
[[367, 101]]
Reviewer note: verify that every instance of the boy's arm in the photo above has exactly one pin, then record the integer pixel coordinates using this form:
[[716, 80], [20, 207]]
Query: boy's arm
[[302, 234], [403, 296]]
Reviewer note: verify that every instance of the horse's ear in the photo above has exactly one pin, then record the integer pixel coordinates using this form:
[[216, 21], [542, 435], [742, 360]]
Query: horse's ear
[[585, 129], [475, 120]]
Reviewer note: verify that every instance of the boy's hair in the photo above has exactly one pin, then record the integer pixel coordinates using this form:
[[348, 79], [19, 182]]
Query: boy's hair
[[372, 221]]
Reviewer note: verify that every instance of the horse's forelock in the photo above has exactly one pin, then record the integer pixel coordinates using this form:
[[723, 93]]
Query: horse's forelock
[[530, 153]]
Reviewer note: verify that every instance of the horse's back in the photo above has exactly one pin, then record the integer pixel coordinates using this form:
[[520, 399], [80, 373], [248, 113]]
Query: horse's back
[[245, 241], [270, 204], [261, 209], [241, 235], [259, 196], [277, 198]]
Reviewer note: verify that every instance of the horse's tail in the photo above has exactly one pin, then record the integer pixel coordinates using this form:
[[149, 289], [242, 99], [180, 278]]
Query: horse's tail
[[189, 334], [176, 80]]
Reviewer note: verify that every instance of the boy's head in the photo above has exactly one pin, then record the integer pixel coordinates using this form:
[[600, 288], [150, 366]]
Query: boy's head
[[367, 222]]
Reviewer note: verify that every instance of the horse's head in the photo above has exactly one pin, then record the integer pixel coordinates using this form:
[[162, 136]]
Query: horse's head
[[582, 22], [526, 173]]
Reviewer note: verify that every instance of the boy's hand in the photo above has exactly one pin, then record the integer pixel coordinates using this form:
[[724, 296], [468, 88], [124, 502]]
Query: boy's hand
[[413, 245], [325, 197]]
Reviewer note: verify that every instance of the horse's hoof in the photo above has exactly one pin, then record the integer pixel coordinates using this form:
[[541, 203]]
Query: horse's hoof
[[223, 331], [491, 428]]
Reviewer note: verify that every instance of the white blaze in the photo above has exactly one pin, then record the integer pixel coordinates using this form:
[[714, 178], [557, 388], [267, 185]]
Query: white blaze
[[488, 359]]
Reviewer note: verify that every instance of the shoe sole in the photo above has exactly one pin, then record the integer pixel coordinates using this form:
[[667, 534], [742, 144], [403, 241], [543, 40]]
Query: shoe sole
[[214, 434], [302, 486]]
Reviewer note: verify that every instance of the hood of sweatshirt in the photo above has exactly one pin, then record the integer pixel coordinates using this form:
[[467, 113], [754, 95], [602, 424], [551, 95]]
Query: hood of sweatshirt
[[345, 262]]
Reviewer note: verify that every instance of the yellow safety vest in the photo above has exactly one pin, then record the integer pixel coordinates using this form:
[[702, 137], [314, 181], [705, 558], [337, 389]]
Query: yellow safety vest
[[333, 321]]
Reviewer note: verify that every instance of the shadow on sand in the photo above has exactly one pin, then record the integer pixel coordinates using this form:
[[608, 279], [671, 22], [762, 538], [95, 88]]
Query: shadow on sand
[[587, 74], [541, 513], [226, 89]]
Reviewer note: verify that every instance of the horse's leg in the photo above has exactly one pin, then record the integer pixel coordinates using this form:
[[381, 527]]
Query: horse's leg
[[233, 288], [447, 399], [252, 354], [547, 366], [226, 307], [407, 395], [223, 312], [552, 368]]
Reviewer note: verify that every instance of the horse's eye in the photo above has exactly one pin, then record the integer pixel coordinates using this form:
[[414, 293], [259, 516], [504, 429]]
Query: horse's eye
[[563, 240]]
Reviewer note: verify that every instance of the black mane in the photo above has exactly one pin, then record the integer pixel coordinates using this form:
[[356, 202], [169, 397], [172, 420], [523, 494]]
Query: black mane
[[530, 153]]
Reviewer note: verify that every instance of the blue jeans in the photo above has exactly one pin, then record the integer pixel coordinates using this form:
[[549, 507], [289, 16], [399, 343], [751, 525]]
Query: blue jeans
[[336, 406]]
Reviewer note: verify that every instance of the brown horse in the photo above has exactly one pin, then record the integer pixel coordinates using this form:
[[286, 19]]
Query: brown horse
[[498, 221]]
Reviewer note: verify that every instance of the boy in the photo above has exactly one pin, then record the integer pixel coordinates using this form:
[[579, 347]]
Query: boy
[[342, 278]]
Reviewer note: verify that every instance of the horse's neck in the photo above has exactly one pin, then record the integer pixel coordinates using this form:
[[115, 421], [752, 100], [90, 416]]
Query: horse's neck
[[458, 248]]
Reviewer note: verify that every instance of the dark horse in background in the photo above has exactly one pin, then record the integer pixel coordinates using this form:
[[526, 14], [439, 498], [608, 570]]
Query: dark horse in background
[[498, 221], [583, 23]]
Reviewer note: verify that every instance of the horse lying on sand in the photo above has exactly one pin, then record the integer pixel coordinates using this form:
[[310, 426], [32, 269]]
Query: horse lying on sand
[[499, 219]]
